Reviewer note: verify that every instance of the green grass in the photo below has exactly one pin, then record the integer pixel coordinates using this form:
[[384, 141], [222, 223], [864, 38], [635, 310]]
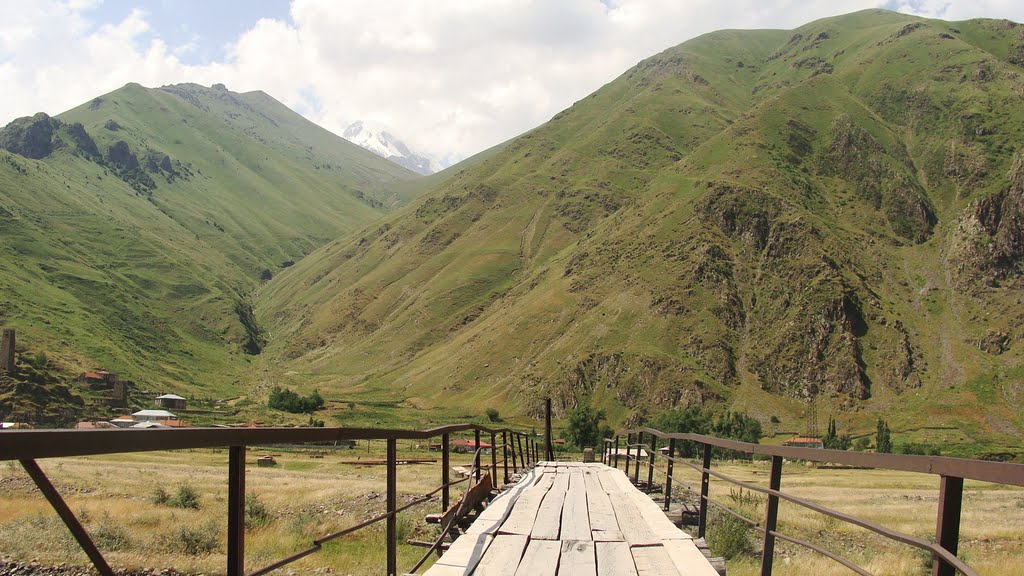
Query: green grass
[[696, 232]]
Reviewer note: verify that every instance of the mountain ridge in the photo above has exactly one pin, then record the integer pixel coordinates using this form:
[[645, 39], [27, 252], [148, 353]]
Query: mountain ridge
[[746, 220]]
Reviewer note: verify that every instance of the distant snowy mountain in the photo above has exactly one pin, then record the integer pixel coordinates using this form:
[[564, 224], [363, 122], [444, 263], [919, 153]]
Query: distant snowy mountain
[[383, 143]]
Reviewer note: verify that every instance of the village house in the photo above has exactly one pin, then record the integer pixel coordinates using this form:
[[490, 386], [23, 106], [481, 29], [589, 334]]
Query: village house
[[804, 442], [153, 416], [125, 421], [98, 425], [171, 402]]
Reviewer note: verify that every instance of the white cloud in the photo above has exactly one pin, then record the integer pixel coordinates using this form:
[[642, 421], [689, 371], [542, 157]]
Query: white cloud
[[451, 77]]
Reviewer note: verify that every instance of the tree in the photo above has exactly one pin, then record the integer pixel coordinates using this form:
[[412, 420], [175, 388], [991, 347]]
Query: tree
[[584, 427], [833, 440], [883, 437], [288, 400]]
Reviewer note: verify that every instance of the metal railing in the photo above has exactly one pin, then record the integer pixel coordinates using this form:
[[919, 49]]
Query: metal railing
[[27, 446], [951, 471]]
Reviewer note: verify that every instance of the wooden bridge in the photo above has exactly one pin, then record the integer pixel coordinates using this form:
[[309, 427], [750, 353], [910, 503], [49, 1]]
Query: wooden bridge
[[566, 518], [589, 517]]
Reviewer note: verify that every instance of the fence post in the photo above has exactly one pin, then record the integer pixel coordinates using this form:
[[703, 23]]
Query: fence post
[[616, 451], [512, 442], [236, 511], [445, 472], [650, 464], [548, 455], [947, 525], [636, 467], [392, 529], [504, 452], [494, 460], [522, 456], [476, 453], [705, 483], [771, 518], [668, 472]]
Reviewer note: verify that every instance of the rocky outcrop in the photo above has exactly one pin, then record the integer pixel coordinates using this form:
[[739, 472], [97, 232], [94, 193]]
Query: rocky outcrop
[[31, 137], [989, 244]]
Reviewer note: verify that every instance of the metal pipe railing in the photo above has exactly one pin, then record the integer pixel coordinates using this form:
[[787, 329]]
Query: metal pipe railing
[[952, 472], [29, 445]]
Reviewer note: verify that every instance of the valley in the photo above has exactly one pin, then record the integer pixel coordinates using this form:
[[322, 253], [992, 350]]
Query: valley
[[743, 222]]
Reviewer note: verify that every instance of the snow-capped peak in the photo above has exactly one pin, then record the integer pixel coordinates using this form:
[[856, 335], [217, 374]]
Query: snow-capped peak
[[383, 143]]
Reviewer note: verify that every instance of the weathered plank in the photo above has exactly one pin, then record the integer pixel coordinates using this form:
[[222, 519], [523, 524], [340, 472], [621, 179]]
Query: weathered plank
[[631, 523], [503, 556], [497, 512], [689, 559], [654, 561], [524, 513], [602, 517], [577, 559], [614, 559], [549, 516], [464, 554], [656, 519], [540, 559], [607, 536], [575, 517]]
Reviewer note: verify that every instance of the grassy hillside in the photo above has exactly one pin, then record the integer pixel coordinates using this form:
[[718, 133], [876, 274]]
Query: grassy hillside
[[746, 220], [137, 226]]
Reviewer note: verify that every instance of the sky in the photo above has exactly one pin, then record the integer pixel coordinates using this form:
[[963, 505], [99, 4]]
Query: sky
[[449, 77]]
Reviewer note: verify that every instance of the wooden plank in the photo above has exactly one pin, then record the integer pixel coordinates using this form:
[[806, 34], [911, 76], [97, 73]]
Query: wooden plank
[[541, 558], [614, 559], [464, 554], [609, 478], [577, 559], [607, 536], [524, 513], [656, 519], [689, 559], [654, 561], [549, 516], [602, 517], [503, 556], [632, 524], [491, 519], [575, 518]]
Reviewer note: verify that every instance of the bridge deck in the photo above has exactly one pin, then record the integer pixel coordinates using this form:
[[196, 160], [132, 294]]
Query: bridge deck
[[567, 518]]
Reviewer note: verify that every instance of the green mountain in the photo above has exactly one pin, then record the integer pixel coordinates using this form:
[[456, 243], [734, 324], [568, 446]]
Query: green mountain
[[747, 220], [136, 227]]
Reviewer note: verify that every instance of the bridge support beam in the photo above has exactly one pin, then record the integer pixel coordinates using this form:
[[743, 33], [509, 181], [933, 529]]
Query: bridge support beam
[[947, 528], [236, 511]]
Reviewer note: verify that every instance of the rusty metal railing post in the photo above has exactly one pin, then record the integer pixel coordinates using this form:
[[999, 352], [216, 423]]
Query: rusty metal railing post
[[392, 497], [476, 453], [705, 484], [650, 464], [616, 452], [629, 453], [236, 511], [639, 448], [519, 444], [445, 472], [494, 460], [947, 524], [512, 447], [504, 452], [668, 472], [65, 513], [548, 450], [771, 518]]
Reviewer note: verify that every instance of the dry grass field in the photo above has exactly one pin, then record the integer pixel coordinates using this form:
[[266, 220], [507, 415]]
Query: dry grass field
[[306, 497]]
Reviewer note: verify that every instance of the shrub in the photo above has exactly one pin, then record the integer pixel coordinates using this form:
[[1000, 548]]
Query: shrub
[[728, 536], [256, 513], [161, 497], [288, 400], [109, 535], [492, 415], [774, 420], [196, 540], [187, 497]]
